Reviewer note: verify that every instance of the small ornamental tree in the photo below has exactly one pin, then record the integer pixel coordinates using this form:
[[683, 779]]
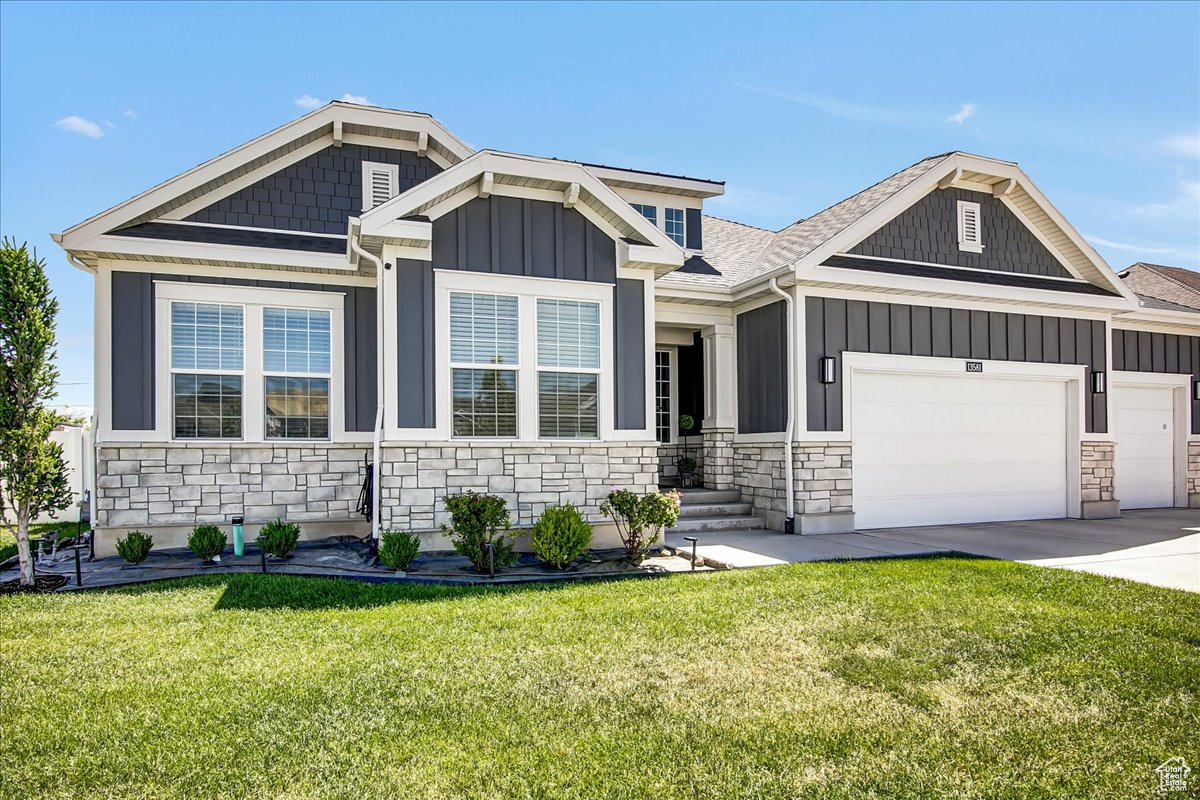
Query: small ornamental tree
[[33, 478]]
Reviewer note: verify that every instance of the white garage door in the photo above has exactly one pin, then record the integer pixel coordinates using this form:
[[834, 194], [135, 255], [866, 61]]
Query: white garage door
[[936, 449], [1143, 418]]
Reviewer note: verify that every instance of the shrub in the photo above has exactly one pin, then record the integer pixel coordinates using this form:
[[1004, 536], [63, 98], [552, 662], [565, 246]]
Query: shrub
[[560, 535], [135, 547], [279, 538], [207, 542], [640, 520], [397, 549], [477, 520], [686, 465]]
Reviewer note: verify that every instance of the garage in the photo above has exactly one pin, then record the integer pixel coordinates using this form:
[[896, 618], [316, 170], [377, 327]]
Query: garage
[[933, 449], [1143, 426]]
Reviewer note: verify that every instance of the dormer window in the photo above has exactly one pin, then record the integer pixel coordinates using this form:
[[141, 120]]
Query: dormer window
[[970, 237], [380, 182], [674, 225], [649, 212]]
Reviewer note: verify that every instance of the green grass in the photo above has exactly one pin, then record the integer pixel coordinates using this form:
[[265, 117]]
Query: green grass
[[8, 535], [905, 678]]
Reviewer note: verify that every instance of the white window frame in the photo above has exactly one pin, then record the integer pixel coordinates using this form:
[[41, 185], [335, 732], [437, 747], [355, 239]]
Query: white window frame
[[672, 354], [568, 370], [393, 173], [266, 373], [252, 300], [475, 365], [527, 291], [682, 223], [965, 244], [638, 208], [174, 370]]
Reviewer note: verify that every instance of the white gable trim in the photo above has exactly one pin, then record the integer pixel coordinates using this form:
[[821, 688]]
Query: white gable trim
[[77, 237]]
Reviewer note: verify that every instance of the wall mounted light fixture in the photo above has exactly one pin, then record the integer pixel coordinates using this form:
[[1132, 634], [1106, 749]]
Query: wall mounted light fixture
[[1196, 390], [828, 369], [1097, 383]]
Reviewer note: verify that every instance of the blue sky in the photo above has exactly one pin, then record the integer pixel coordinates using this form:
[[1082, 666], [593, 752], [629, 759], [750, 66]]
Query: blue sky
[[795, 106]]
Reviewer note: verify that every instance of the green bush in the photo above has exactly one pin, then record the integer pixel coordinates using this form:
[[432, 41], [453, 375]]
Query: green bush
[[135, 547], [397, 549], [477, 520], [279, 538], [640, 520], [207, 542], [560, 535]]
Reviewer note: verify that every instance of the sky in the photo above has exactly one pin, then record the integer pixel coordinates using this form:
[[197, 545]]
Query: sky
[[794, 106]]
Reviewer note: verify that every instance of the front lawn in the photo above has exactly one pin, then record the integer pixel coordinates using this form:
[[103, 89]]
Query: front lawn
[[905, 678]]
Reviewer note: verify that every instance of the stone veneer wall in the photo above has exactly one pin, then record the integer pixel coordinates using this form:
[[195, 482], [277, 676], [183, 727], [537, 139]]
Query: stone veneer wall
[[821, 473], [668, 454], [1193, 474], [530, 477], [189, 484], [1097, 471], [718, 459]]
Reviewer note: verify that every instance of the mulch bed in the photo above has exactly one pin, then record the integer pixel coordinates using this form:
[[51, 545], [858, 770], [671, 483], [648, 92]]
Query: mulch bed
[[41, 583]]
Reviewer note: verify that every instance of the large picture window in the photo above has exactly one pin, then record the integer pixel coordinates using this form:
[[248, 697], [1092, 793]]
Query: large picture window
[[568, 345], [207, 360], [484, 357], [296, 372]]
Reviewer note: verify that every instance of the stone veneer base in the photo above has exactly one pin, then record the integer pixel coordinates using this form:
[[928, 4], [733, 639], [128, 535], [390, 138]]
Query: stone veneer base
[[1100, 509]]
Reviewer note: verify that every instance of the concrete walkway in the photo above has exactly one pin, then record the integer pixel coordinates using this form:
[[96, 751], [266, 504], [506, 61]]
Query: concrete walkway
[[1159, 547]]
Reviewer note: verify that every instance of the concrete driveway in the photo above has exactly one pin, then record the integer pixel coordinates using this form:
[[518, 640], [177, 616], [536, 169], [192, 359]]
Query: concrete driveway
[[1159, 547]]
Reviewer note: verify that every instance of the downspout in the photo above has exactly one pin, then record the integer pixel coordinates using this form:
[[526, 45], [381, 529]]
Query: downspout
[[789, 525], [379, 356]]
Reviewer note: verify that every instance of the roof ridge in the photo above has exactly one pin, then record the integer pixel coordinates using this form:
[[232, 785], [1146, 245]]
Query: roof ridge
[[1157, 270], [743, 224]]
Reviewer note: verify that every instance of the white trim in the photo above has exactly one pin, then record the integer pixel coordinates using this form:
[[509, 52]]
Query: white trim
[[844, 293], [666, 184], [1074, 375], [1181, 386], [208, 251], [971, 243], [249, 273]]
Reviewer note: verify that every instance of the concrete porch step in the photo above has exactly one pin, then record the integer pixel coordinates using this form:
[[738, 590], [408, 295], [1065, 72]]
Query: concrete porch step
[[721, 523], [689, 510], [692, 497]]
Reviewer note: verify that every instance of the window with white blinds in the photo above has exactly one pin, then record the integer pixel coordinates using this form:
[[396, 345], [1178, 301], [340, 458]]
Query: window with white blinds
[[380, 183], [484, 336], [568, 344], [970, 237]]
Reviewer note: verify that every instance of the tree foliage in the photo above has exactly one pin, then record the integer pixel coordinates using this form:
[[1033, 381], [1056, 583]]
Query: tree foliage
[[32, 473]]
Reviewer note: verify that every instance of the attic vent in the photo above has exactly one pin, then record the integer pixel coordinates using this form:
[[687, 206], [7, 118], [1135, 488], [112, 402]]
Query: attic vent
[[380, 183], [970, 237]]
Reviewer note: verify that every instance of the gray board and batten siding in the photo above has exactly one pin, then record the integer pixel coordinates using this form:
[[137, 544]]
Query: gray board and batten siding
[[762, 373], [515, 236], [1164, 353], [133, 367], [927, 231], [836, 326]]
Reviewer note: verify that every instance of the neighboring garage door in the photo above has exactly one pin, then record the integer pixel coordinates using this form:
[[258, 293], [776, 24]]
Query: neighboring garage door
[[937, 449], [1143, 421]]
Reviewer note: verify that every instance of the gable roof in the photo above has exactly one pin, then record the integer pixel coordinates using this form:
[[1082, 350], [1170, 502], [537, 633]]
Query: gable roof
[[731, 250], [1164, 288]]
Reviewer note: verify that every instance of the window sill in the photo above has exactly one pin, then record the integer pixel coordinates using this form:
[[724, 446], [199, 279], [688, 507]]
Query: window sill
[[970, 248]]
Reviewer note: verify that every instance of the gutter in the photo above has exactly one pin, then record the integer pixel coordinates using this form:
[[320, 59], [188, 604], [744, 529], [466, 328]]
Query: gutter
[[789, 525], [376, 444]]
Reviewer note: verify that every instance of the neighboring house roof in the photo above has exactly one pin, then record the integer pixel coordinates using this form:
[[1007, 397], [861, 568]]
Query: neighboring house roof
[[730, 250], [1164, 288]]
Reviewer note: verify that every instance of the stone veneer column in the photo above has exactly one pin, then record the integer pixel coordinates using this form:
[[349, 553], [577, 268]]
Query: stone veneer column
[[1193, 474], [718, 459], [823, 484], [1097, 470]]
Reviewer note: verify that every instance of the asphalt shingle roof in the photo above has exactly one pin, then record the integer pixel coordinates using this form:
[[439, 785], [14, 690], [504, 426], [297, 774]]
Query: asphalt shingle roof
[[1164, 288]]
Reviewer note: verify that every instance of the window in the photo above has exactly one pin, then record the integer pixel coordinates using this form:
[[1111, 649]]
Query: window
[[206, 367], [673, 224], [380, 183], [649, 212], [296, 372], [483, 336], [568, 338], [970, 237], [662, 396]]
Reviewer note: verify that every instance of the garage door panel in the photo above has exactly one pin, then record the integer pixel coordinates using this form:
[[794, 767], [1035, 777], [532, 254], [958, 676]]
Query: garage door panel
[[932, 449], [1143, 427]]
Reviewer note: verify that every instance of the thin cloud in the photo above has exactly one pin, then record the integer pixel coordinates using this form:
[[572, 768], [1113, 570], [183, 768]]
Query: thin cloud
[[129, 114], [1185, 204], [308, 101], [1186, 145], [965, 112], [1133, 248], [84, 127], [356, 98], [828, 105], [108, 123]]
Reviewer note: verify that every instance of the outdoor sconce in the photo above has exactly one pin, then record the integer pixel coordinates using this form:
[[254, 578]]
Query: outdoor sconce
[[1097, 383], [828, 369], [1196, 390]]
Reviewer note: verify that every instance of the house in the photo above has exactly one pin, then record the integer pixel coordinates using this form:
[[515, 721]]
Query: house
[[360, 286]]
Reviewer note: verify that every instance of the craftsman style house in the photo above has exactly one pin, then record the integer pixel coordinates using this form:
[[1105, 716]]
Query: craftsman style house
[[361, 287]]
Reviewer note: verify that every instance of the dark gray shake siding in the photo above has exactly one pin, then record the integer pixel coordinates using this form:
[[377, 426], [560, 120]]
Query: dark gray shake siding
[[833, 327], [928, 232], [762, 369], [316, 194], [1164, 353], [415, 350], [513, 236], [133, 366]]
